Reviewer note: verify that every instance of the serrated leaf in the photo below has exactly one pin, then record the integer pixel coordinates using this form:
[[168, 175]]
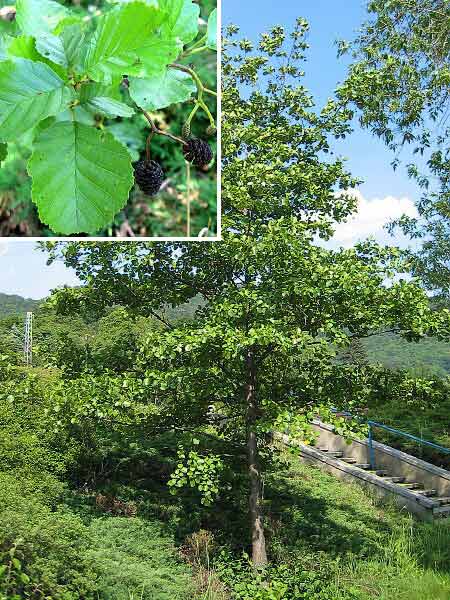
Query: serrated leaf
[[29, 92], [24, 46], [73, 37], [5, 41], [182, 22], [63, 49], [3, 151], [162, 90], [35, 17], [153, 3], [81, 177], [67, 22], [8, 27], [91, 97], [172, 10], [125, 38], [212, 30], [131, 135], [78, 114], [156, 55], [51, 46], [92, 89], [110, 107]]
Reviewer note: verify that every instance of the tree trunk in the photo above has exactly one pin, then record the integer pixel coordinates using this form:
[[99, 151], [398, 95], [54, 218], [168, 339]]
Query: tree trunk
[[259, 556]]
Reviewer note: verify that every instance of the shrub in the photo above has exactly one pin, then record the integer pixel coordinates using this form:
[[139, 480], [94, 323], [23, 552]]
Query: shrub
[[42, 553]]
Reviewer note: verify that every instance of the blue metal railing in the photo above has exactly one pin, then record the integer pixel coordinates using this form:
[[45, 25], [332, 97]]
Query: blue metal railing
[[372, 424]]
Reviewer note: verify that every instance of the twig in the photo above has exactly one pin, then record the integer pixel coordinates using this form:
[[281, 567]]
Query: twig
[[147, 145], [194, 48], [160, 132], [191, 72], [188, 192]]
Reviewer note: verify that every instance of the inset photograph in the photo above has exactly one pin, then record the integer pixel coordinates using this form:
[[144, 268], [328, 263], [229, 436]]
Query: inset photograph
[[108, 119]]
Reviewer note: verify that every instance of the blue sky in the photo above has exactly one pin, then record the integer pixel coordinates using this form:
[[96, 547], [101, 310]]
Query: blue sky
[[329, 20], [23, 271], [384, 194]]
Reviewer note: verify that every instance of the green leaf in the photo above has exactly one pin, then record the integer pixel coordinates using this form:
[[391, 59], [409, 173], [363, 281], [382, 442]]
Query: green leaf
[[17, 564], [35, 17], [51, 46], [29, 93], [8, 28], [162, 90], [24, 46], [130, 134], [110, 107], [72, 19], [88, 91], [155, 56], [172, 10], [127, 41], [81, 177], [73, 36], [79, 114], [63, 49], [5, 41], [212, 30], [3, 151], [183, 19], [24, 578], [105, 100]]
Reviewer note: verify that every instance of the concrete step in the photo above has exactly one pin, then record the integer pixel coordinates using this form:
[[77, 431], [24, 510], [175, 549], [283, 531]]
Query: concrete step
[[427, 492], [427, 497], [443, 511], [411, 485], [379, 472], [395, 479]]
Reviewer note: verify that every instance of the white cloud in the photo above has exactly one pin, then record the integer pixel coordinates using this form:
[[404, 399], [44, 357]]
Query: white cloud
[[371, 218], [4, 247]]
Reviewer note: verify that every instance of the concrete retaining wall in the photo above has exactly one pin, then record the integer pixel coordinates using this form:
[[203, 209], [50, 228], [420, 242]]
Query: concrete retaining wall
[[396, 462]]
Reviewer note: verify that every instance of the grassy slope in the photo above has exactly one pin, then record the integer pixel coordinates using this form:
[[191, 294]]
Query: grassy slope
[[136, 559], [373, 550], [357, 547]]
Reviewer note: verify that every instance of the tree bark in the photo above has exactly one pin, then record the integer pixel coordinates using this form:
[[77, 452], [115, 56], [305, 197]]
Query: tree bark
[[259, 555]]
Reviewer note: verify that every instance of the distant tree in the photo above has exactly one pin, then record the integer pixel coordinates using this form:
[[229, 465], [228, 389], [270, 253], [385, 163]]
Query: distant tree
[[399, 86], [11, 304], [355, 353], [277, 304]]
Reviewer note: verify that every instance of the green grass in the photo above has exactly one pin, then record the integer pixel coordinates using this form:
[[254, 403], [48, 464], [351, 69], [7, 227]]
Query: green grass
[[372, 549], [135, 559]]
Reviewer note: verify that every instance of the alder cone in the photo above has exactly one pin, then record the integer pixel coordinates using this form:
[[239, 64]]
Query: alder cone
[[198, 152], [149, 176]]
